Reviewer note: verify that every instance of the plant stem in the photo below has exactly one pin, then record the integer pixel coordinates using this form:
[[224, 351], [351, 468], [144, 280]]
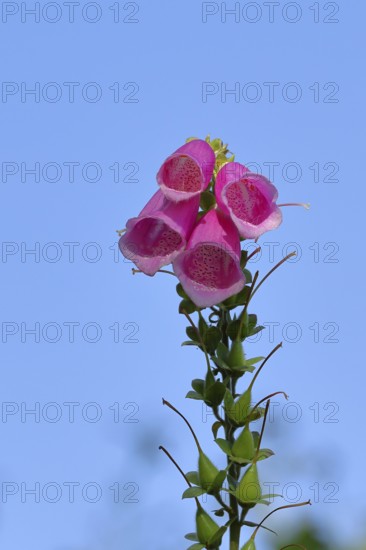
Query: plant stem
[[235, 527], [235, 535]]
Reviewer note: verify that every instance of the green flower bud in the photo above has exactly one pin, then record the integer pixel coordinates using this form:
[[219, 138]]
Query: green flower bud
[[207, 471], [244, 447], [250, 545], [206, 526], [236, 357], [249, 489], [240, 409]]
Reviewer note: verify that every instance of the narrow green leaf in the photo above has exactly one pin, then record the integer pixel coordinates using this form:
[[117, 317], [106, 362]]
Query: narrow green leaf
[[215, 428], [194, 395], [198, 385], [190, 343], [264, 453], [193, 492], [224, 445], [193, 477], [248, 276], [191, 536], [215, 540], [253, 361], [243, 258]]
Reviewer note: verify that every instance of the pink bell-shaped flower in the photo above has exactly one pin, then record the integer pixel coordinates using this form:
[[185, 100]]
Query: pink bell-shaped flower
[[209, 269], [188, 171], [249, 199], [159, 233]]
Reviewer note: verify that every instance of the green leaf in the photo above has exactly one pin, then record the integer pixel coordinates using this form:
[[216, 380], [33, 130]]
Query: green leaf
[[194, 395], [207, 200], [239, 299], [228, 400], [224, 445], [191, 536], [215, 540], [253, 361], [256, 436], [264, 453], [190, 343], [193, 477], [243, 258], [220, 512], [187, 306], [215, 428], [198, 385], [248, 276], [192, 333], [219, 480], [210, 379], [271, 496], [242, 370], [181, 292], [220, 363], [257, 414], [197, 546], [215, 394], [202, 325], [252, 320], [212, 338], [193, 492], [222, 351], [233, 330], [254, 331], [232, 483]]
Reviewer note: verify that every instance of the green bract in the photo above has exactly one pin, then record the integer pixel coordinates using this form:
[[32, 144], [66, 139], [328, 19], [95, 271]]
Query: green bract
[[249, 489]]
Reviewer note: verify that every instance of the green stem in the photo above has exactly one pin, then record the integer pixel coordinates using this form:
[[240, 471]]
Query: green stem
[[235, 535], [234, 471]]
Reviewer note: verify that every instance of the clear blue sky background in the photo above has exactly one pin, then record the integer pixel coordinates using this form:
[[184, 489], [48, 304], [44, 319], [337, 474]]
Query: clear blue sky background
[[169, 52]]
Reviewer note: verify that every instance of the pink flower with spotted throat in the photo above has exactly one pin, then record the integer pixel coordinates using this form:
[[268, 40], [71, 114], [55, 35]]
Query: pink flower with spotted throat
[[159, 233], [188, 171], [209, 269], [249, 199]]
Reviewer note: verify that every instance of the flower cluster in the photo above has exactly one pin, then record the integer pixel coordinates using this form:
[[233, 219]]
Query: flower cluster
[[205, 205]]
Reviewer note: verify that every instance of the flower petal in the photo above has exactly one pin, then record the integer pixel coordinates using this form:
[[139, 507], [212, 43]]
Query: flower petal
[[159, 233], [249, 199], [209, 270], [188, 171]]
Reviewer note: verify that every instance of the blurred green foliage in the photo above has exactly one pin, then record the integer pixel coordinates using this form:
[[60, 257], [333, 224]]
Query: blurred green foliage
[[311, 538]]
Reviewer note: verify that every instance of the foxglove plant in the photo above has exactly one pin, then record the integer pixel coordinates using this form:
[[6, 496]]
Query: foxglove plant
[[206, 206]]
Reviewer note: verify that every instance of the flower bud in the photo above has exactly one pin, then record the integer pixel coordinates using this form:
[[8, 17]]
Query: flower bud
[[207, 471], [249, 489], [244, 447], [250, 545], [236, 357], [239, 411], [206, 526]]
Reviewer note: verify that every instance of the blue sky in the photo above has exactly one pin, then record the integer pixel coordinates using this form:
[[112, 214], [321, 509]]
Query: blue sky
[[79, 155]]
